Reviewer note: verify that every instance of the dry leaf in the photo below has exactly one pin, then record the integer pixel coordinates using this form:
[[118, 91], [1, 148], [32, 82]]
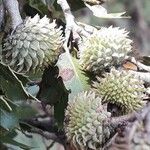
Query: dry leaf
[[130, 66]]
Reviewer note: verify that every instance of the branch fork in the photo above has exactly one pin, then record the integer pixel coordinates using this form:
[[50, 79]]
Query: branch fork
[[71, 25]]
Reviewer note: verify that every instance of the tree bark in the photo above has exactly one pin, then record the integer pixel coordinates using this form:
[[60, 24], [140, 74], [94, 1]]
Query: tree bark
[[12, 7]]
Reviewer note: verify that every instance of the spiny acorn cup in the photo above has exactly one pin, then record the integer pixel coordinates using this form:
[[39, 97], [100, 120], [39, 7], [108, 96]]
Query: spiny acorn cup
[[84, 122], [105, 48], [122, 89], [34, 44]]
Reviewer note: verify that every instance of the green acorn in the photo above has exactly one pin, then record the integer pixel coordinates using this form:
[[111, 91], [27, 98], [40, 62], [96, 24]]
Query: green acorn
[[122, 89], [105, 48], [84, 122], [34, 44]]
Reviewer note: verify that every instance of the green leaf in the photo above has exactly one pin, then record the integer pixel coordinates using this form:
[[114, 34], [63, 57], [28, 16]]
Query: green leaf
[[11, 86], [146, 60], [8, 120], [24, 79], [24, 111], [73, 77], [101, 12], [60, 106], [35, 75], [39, 6], [11, 119], [3, 131], [74, 5], [5, 103], [49, 2], [7, 138], [33, 89], [10, 141], [35, 141], [9, 133], [25, 126], [50, 91], [115, 15]]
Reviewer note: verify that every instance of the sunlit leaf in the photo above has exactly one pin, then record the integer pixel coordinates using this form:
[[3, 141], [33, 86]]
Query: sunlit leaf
[[74, 78], [101, 12], [33, 89], [36, 141], [11, 119], [115, 15], [8, 120], [11, 86], [8, 139]]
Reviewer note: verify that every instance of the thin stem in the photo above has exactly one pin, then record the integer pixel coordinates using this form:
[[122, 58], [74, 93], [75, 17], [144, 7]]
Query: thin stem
[[12, 7], [71, 25], [115, 121]]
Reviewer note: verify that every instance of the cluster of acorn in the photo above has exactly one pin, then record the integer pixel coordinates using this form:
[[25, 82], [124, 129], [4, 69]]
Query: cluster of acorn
[[37, 43], [104, 50]]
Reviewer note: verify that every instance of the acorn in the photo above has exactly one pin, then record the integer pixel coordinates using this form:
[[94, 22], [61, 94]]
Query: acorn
[[122, 89], [105, 48], [84, 122], [36, 43]]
